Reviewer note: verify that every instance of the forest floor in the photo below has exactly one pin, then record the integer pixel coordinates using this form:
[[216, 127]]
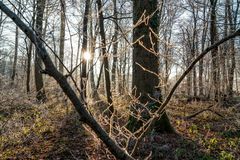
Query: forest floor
[[52, 131]]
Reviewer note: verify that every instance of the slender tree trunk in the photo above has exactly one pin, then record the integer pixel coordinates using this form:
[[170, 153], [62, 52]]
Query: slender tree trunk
[[92, 51], [115, 45], [232, 62], [105, 57], [38, 62], [15, 57], [194, 49], [29, 66], [83, 51], [62, 34], [223, 56], [214, 52], [29, 55], [203, 39]]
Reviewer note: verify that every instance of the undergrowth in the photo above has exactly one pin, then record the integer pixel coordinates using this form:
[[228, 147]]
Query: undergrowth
[[29, 130]]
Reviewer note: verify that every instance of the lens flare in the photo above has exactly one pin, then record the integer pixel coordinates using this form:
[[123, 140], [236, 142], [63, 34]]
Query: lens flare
[[87, 56]]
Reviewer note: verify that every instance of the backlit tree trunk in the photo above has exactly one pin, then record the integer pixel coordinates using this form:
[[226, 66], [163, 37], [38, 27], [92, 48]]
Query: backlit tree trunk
[[84, 50]]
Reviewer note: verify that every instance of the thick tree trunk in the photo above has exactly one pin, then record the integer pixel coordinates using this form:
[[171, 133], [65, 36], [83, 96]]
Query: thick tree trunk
[[145, 59]]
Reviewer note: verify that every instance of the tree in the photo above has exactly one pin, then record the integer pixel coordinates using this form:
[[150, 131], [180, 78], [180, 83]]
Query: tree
[[145, 80], [105, 57], [15, 49], [115, 43], [62, 34], [231, 67], [29, 52], [84, 50], [203, 41], [214, 52], [38, 62]]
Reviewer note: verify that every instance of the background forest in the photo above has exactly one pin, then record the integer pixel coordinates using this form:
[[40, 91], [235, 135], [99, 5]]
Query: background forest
[[119, 79]]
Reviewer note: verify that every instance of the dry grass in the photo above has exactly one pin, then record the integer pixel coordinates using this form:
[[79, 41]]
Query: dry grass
[[29, 130]]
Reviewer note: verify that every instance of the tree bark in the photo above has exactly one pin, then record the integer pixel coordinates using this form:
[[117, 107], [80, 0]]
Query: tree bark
[[232, 62], [145, 80], [29, 55], [62, 34], [38, 62], [83, 51], [214, 52]]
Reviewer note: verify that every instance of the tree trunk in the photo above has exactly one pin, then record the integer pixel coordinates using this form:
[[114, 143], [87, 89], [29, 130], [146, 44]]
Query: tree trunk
[[62, 34], [92, 51], [144, 83], [214, 52], [232, 62], [29, 55], [15, 57], [29, 58], [83, 51], [115, 44], [203, 41], [105, 57], [38, 62]]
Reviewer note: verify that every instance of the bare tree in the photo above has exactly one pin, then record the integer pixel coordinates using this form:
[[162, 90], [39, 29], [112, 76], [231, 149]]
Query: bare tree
[[38, 62], [16, 48], [105, 57], [62, 34], [84, 50], [29, 52], [214, 52]]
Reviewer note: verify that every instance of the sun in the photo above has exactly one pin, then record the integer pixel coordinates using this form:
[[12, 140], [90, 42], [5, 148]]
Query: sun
[[87, 56]]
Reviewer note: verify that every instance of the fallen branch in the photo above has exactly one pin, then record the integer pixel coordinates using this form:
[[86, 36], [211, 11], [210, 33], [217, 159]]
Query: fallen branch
[[201, 111]]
